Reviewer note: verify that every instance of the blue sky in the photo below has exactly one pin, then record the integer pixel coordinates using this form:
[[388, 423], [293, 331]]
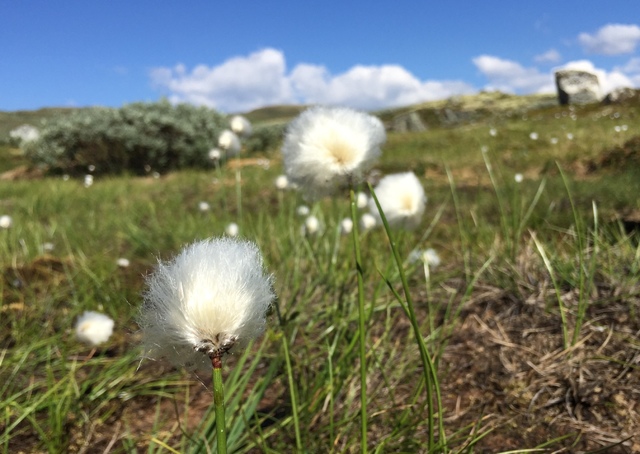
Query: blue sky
[[236, 56]]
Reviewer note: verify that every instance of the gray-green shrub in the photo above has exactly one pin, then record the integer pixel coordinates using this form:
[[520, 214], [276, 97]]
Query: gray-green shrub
[[136, 138]]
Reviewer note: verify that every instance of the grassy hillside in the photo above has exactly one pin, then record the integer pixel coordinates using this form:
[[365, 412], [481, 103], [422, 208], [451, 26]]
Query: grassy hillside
[[530, 321]]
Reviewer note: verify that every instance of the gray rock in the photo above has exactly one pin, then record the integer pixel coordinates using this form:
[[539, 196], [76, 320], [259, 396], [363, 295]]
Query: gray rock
[[577, 87], [408, 122], [619, 95]]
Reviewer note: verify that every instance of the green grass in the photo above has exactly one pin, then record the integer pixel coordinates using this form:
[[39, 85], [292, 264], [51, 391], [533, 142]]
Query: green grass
[[528, 350]]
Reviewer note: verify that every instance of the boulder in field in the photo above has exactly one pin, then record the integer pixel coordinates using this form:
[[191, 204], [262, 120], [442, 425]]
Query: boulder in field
[[577, 87], [408, 122], [620, 95]]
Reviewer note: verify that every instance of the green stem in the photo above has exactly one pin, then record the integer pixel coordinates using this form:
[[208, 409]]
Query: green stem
[[239, 195], [292, 392], [362, 332], [292, 383], [218, 400], [429, 371]]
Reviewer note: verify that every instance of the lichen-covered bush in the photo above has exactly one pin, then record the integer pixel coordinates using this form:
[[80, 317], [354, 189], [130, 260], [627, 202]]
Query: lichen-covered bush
[[137, 138]]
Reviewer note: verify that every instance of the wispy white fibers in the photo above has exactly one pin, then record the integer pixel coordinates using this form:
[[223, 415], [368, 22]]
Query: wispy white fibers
[[325, 148], [241, 126], [212, 297], [230, 143], [402, 199], [94, 328]]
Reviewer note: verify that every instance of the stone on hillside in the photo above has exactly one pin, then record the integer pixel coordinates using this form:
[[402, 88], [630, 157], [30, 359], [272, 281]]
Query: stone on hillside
[[577, 87], [408, 122], [619, 95]]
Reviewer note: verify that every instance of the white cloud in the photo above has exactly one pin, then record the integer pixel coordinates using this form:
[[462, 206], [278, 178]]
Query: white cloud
[[261, 78], [612, 39], [369, 87], [240, 83], [550, 56], [511, 77]]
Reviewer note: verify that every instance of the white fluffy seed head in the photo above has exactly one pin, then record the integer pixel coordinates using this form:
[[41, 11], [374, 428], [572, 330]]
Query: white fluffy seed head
[[204, 206], [311, 226], [241, 126], [215, 293], [367, 221], [518, 177], [427, 256], [362, 200], [402, 199], [232, 229], [94, 328], [282, 182], [230, 143], [346, 226], [303, 210], [88, 180], [5, 221], [123, 262], [326, 148], [215, 154]]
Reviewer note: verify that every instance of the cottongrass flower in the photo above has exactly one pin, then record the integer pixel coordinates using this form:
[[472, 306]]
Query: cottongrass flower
[[123, 262], [518, 177], [215, 154], [232, 229], [229, 142], [212, 298], [428, 256], [533, 136], [346, 226], [493, 132], [241, 126], [94, 328], [362, 200], [91, 168], [204, 206], [48, 247], [554, 141], [368, 221], [303, 211], [282, 182], [402, 200], [329, 147], [5, 221], [569, 136], [88, 181], [311, 226]]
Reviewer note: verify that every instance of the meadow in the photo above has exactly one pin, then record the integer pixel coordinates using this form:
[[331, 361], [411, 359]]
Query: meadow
[[531, 320]]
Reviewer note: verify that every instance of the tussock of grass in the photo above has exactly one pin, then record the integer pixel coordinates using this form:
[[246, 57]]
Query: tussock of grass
[[529, 349]]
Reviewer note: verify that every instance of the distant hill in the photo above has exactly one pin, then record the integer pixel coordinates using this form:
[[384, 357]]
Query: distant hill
[[11, 120], [274, 114], [480, 104]]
